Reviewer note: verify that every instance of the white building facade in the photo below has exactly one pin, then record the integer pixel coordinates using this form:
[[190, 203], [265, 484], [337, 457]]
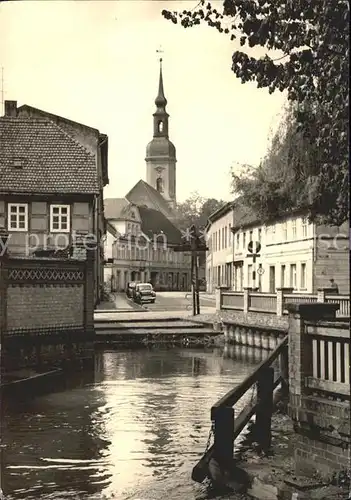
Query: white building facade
[[135, 255], [294, 253], [220, 257]]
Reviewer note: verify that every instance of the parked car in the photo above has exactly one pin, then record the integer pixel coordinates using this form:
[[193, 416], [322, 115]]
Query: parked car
[[130, 288], [144, 292]]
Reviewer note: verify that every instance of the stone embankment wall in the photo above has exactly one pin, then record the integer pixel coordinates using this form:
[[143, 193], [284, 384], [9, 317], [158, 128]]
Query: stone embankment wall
[[248, 329]]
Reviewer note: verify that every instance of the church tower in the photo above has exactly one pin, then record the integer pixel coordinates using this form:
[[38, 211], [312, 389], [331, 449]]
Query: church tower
[[160, 152]]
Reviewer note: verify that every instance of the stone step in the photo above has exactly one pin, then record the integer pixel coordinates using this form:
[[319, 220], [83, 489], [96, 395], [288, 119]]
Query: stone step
[[115, 320], [156, 331], [128, 310], [146, 325]]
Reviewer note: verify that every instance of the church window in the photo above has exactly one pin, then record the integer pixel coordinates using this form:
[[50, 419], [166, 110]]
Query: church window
[[160, 126], [159, 184]]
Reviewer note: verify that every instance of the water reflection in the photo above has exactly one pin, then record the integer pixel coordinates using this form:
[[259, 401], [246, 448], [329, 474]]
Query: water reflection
[[138, 429]]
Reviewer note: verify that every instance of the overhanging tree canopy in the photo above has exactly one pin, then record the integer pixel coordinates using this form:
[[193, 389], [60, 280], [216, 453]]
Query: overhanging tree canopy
[[312, 38]]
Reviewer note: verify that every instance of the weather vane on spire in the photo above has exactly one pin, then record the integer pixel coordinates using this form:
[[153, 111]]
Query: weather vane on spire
[[160, 51]]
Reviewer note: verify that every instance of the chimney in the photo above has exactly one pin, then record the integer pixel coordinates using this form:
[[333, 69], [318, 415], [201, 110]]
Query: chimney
[[11, 108]]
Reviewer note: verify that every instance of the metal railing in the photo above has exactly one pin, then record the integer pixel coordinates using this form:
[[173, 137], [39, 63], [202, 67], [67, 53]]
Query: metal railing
[[232, 300], [344, 301], [263, 302], [330, 352], [274, 303]]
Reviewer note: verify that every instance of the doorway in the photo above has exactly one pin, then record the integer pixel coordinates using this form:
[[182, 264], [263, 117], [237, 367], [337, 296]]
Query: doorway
[[153, 278], [238, 276], [271, 279], [228, 275]]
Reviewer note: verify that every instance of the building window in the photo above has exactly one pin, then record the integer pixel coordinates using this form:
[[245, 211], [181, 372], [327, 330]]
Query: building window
[[282, 277], [249, 275], [18, 217], [285, 231], [259, 235], [293, 275], [251, 236], [304, 227], [230, 234], [293, 227], [244, 240], [237, 240], [226, 237], [159, 184], [303, 276], [219, 239], [59, 218]]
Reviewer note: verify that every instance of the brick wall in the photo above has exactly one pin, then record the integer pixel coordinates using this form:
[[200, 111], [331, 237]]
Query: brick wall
[[38, 307], [321, 417], [46, 306], [332, 263], [312, 455]]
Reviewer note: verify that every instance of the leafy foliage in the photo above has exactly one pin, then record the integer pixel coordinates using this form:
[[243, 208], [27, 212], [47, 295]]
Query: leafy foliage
[[196, 210], [312, 39], [284, 179]]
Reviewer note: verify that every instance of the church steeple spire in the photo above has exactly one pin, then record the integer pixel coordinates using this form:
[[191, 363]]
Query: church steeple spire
[[160, 100], [161, 116], [160, 152]]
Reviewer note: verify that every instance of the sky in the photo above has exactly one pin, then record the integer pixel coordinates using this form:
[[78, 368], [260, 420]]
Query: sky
[[95, 62]]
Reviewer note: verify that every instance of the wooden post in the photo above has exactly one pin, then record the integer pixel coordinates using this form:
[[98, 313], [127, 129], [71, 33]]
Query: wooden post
[[197, 284], [193, 290], [246, 299], [194, 267], [223, 417], [321, 295], [264, 408], [284, 370]]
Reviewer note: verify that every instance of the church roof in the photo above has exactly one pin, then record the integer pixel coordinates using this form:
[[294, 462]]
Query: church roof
[[154, 222], [142, 194], [113, 207]]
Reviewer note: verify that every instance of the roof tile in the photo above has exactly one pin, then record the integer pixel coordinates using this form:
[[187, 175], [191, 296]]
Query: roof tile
[[53, 162]]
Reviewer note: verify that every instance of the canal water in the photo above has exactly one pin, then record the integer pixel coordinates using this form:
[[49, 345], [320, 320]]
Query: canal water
[[131, 429]]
